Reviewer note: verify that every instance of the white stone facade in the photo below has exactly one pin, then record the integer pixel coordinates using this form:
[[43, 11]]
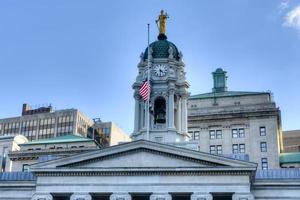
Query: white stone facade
[[248, 113]]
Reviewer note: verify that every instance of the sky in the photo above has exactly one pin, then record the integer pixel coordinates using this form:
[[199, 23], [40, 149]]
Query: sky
[[84, 54]]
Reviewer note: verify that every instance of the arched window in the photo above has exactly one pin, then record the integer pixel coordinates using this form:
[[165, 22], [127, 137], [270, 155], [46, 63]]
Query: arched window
[[160, 110]]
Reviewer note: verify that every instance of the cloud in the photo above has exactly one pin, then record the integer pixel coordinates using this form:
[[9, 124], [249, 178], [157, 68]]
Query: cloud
[[284, 5], [292, 18]]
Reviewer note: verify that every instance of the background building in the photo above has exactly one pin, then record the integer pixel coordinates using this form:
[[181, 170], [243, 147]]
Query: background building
[[29, 153], [44, 123], [243, 125], [108, 133], [291, 141]]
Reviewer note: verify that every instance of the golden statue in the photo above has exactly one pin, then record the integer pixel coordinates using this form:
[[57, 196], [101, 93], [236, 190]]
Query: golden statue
[[162, 19]]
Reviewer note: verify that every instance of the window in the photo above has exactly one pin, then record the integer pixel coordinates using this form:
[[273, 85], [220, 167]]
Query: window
[[219, 149], [235, 133], [212, 149], [242, 148], [241, 133], [235, 149], [263, 147], [212, 134], [4, 158], [25, 168], [262, 131], [196, 135], [238, 133], [215, 149], [219, 134], [264, 163]]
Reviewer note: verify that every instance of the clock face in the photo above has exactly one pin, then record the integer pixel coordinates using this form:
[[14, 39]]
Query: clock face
[[160, 70]]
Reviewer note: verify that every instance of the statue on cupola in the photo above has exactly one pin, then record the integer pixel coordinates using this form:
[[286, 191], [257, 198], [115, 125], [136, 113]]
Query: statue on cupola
[[168, 94]]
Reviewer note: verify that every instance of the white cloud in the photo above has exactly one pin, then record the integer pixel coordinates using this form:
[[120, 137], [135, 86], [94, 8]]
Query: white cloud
[[292, 18]]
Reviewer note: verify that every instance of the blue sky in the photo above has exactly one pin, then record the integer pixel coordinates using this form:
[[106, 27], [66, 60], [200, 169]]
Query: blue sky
[[84, 54]]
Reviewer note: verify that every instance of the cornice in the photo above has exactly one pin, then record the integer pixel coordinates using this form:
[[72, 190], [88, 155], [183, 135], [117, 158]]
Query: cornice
[[143, 172]]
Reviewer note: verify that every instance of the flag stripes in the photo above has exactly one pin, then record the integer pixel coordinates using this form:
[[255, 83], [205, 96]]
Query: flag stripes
[[145, 90]]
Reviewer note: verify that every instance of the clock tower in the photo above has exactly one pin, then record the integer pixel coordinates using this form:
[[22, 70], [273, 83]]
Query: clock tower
[[169, 93]]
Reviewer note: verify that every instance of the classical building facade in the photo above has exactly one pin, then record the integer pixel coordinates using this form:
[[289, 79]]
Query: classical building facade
[[238, 124], [152, 169]]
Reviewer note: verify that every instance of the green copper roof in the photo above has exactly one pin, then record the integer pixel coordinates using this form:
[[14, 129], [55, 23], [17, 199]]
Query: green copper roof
[[160, 49], [293, 157], [224, 94], [61, 139]]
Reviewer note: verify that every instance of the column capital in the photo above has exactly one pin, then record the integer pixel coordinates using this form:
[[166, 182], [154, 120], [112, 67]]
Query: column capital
[[42, 196], [171, 91], [120, 196], [81, 196], [243, 196], [160, 196], [201, 196]]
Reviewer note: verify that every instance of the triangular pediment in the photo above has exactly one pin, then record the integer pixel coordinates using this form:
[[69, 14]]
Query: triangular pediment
[[142, 155]]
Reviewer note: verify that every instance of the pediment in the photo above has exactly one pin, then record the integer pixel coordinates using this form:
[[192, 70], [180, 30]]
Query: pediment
[[142, 155]]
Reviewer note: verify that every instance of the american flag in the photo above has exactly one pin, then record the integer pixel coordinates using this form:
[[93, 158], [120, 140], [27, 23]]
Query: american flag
[[145, 90]]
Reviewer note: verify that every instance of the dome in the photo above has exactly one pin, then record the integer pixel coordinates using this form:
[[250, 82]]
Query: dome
[[160, 49]]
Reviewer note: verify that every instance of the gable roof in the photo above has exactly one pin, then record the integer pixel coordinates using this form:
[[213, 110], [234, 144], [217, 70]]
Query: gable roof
[[82, 162]]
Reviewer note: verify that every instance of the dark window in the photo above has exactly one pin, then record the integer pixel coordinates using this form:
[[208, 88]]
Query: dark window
[[263, 147], [262, 131], [160, 110], [264, 163], [25, 168], [4, 158]]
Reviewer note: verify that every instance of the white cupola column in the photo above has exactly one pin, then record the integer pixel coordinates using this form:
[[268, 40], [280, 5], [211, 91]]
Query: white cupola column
[[136, 114], [184, 114], [171, 110]]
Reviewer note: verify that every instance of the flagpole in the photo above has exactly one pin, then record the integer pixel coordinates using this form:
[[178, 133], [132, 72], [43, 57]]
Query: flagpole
[[148, 79]]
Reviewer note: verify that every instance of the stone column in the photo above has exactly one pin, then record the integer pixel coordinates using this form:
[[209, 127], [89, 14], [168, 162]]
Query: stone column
[[81, 196], [243, 196], [184, 114], [120, 196], [179, 115], [42, 196], [160, 196], [136, 114], [171, 109], [201, 196], [141, 119]]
